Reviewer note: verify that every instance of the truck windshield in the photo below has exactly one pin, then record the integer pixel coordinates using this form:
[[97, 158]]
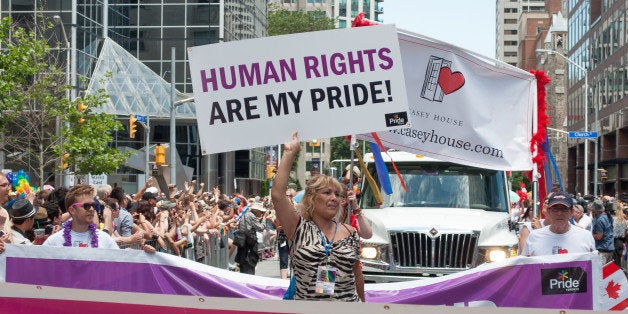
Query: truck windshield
[[442, 185]]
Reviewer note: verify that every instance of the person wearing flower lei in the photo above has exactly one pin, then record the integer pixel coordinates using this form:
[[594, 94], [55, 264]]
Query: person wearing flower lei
[[81, 231]]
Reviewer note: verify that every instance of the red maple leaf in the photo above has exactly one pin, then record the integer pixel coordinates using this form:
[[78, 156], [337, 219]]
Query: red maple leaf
[[612, 288]]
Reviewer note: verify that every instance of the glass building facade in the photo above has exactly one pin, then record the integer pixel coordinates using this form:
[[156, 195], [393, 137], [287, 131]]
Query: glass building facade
[[597, 42], [147, 30]]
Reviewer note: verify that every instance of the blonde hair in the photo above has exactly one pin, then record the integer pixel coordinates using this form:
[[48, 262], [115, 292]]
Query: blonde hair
[[314, 185], [619, 214]]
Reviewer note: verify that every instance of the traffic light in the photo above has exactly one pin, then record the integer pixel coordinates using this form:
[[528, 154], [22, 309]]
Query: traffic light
[[132, 126], [64, 162], [603, 174], [270, 172], [315, 143], [160, 155], [81, 107]]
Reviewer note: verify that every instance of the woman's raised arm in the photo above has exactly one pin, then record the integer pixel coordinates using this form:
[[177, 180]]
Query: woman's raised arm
[[282, 204]]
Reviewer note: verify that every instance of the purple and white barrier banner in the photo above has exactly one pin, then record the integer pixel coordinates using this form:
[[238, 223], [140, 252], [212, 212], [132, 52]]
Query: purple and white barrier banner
[[569, 281]]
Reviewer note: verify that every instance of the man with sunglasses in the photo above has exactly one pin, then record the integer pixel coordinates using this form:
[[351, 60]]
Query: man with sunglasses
[[561, 236], [81, 231]]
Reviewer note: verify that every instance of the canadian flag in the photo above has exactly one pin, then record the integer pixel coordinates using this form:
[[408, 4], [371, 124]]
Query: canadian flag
[[614, 288]]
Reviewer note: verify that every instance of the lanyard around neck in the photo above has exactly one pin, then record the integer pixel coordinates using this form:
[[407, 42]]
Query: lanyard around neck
[[326, 244]]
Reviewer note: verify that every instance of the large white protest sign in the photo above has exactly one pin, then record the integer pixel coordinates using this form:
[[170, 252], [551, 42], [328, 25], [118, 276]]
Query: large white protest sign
[[256, 92], [464, 108]]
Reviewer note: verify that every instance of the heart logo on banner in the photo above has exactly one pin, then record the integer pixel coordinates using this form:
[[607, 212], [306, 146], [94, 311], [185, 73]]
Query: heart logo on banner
[[450, 82]]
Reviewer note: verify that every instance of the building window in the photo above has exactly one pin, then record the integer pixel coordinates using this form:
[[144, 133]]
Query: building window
[[510, 21]]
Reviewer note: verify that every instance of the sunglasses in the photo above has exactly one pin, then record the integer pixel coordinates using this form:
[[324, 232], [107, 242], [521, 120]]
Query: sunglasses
[[86, 205], [560, 209]]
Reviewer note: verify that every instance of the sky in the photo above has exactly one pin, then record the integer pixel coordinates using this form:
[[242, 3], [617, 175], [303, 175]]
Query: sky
[[469, 24]]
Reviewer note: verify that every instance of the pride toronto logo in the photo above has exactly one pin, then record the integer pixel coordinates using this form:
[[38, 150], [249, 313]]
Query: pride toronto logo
[[563, 280], [396, 119]]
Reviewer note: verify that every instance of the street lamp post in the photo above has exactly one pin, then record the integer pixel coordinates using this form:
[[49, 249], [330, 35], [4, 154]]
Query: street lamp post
[[586, 115], [57, 20], [173, 131]]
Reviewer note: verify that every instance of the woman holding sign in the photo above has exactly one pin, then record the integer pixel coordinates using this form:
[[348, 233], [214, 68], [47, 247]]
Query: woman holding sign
[[324, 252]]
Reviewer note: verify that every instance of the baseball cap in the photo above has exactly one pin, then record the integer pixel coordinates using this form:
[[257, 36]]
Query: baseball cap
[[562, 198]]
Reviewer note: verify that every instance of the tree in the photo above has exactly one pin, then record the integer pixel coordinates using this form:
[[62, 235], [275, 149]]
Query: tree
[[20, 62], [282, 22], [87, 137], [34, 105]]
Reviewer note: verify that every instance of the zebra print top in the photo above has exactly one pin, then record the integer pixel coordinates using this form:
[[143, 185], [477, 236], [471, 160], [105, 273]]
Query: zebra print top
[[307, 253]]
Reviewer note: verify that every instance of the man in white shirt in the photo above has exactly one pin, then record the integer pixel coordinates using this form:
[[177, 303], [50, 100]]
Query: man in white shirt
[[81, 230], [580, 219], [559, 237]]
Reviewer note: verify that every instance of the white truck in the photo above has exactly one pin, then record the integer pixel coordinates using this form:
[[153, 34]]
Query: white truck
[[452, 218]]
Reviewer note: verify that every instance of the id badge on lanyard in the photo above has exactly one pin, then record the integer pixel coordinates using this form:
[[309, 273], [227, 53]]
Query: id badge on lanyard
[[325, 280], [326, 275]]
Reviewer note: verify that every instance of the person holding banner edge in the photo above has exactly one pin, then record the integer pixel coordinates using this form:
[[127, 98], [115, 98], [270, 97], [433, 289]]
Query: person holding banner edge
[[561, 236], [324, 253]]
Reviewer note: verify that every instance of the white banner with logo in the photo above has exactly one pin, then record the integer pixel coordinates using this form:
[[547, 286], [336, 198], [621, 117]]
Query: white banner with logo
[[464, 108], [255, 93]]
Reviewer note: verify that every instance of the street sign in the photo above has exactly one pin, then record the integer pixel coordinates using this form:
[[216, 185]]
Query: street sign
[[141, 118], [582, 134], [96, 179]]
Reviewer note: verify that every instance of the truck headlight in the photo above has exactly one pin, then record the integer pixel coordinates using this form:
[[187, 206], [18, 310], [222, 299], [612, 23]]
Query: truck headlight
[[369, 252], [496, 255]]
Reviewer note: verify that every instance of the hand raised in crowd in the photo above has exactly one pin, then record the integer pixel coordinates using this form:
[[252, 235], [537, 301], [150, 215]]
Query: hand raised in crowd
[[294, 145], [536, 223], [31, 196], [149, 182], [352, 199], [216, 191]]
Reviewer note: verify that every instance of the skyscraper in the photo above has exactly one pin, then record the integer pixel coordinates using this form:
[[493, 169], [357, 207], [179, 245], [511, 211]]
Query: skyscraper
[[597, 43], [508, 14]]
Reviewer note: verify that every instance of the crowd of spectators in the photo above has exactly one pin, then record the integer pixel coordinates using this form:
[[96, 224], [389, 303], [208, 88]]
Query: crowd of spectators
[[191, 222], [603, 217]]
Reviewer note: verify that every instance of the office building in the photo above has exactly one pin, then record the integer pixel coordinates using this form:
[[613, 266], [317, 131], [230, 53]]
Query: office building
[[507, 26], [148, 30], [597, 43]]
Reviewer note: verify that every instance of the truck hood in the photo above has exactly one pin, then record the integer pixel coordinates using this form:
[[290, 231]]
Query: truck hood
[[493, 226]]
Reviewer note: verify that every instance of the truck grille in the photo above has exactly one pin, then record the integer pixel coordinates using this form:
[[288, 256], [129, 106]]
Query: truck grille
[[415, 249]]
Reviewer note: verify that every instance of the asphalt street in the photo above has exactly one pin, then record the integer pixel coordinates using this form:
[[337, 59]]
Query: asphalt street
[[268, 267]]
